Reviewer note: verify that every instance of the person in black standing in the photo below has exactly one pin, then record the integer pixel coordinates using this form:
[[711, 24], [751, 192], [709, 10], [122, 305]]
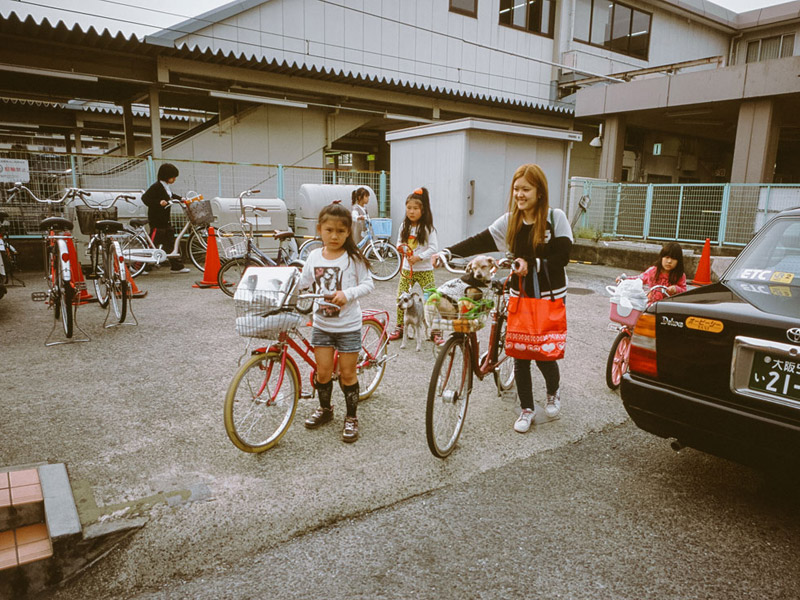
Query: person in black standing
[[157, 198]]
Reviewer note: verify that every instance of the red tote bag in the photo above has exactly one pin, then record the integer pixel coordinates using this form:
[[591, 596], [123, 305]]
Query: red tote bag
[[537, 327]]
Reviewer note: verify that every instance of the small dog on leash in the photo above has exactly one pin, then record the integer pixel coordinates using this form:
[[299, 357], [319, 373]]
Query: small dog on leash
[[414, 317], [478, 275]]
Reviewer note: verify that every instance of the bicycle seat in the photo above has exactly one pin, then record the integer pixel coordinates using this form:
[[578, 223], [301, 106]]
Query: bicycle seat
[[108, 226], [138, 222], [56, 224], [282, 235]]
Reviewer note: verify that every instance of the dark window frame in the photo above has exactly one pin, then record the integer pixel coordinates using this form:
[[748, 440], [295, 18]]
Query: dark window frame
[[526, 30], [463, 11], [608, 47]]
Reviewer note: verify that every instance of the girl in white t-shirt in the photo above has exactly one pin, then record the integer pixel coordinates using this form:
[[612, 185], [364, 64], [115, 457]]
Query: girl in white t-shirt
[[418, 234], [341, 272], [360, 198]]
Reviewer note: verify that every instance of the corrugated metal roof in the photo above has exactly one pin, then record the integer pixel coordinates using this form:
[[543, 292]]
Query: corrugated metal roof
[[12, 25]]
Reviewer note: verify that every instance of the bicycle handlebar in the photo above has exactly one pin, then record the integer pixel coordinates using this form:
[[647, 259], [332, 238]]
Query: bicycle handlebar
[[503, 263], [68, 193]]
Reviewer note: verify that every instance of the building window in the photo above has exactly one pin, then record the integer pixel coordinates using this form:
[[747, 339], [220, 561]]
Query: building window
[[464, 7], [613, 25], [779, 46], [536, 16]]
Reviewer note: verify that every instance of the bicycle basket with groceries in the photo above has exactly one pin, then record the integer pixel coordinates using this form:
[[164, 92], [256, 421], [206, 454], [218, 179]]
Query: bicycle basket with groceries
[[453, 307], [628, 301]]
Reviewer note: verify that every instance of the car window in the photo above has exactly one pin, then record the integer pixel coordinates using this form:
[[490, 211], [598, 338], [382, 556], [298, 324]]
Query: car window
[[772, 257]]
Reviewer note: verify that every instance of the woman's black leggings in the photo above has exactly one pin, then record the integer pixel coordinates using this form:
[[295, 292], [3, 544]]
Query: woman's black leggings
[[522, 374]]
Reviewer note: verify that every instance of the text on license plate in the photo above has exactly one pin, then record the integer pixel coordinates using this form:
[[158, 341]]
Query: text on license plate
[[775, 375]]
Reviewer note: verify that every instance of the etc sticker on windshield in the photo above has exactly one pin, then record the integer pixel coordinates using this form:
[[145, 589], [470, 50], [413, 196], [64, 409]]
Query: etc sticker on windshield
[[766, 275]]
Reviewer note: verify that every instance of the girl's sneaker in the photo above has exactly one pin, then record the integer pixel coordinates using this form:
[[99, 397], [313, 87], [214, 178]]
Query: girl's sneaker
[[436, 337], [320, 416], [523, 422], [553, 404], [397, 333], [350, 431]]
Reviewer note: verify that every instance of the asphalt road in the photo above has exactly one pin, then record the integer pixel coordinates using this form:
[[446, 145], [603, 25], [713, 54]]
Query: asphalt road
[[137, 412]]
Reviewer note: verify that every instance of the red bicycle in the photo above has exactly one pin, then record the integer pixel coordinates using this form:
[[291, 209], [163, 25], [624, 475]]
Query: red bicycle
[[262, 398], [619, 355]]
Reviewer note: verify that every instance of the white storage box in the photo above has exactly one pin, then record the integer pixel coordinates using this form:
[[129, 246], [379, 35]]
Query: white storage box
[[314, 196], [276, 217]]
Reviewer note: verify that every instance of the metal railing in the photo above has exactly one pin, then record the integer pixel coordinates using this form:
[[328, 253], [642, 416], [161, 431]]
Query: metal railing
[[728, 214], [51, 173]]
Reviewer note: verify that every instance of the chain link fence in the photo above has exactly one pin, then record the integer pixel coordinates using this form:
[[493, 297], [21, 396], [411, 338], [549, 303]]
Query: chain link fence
[[728, 214], [50, 174]]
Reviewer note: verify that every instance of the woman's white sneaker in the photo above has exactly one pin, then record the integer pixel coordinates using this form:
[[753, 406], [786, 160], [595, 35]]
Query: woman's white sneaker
[[523, 422], [553, 405]]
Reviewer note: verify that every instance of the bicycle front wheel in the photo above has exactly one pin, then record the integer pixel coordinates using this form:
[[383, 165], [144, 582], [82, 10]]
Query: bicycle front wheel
[[65, 296], [231, 272], [261, 402], [617, 364], [197, 246], [384, 260], [448, 396], [372, 359]]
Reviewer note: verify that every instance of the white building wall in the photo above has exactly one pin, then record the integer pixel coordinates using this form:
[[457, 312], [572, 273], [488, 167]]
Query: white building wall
[[415, 41]]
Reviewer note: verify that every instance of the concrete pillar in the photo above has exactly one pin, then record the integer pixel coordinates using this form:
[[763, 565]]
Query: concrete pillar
[[127, 127], [155, 122], [756, 147], [68, 142], [613, 148]]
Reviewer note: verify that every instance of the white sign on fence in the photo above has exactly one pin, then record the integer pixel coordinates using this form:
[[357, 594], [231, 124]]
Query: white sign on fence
[[13, 170]]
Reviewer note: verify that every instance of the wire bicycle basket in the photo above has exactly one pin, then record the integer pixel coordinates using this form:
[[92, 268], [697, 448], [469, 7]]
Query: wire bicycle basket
[[263, 302], [472, 315], [88, 217], [199, 212], [231, 242]]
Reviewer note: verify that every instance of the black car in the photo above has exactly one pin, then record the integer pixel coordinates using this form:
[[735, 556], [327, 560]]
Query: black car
[[718, 368]]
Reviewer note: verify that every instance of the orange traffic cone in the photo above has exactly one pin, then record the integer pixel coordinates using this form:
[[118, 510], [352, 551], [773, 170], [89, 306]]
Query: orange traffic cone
[[212, 263], [78, 279], [135, 291], [703, 274]]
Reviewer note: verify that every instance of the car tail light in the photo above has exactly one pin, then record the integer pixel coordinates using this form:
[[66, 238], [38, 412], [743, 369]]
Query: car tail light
[[643, 347]]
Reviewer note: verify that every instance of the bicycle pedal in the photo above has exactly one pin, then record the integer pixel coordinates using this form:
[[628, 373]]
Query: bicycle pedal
[[39, 296]]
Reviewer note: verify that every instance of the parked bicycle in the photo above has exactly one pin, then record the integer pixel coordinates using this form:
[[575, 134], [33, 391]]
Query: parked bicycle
[[240, 251], [107, 271], [262, 397], [384, 258], [619, 355], [139, 250], [460, 357], [61, 290]]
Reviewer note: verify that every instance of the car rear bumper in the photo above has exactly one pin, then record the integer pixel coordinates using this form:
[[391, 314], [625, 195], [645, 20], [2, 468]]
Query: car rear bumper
[[711, 426]]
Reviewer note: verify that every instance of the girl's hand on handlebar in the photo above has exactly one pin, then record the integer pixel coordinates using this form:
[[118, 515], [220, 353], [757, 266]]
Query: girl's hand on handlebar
[[413, 259], [672, 290], [339, 299]]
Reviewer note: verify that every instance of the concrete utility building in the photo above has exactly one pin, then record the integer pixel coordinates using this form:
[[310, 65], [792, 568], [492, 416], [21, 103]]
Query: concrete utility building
[[659, 90]]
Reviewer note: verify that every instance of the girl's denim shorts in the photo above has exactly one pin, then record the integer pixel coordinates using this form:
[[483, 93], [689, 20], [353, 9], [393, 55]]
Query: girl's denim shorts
[[344, 341]]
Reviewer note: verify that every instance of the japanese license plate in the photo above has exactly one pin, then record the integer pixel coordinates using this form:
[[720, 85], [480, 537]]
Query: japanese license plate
[[775, 375]]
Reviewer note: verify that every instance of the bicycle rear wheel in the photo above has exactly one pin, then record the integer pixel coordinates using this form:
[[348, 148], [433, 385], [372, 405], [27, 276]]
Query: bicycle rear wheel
[[617, 364], [504, 372], [197, 246], [64, 298], [261, 402], [101, 287], [448, 395], [384, 260], [118, 294], [231, 271], [371, 363], [307, 247], [132, 245]]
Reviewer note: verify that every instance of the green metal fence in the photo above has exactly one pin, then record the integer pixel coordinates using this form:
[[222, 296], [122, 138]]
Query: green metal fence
[[50, 174], [728, 214]]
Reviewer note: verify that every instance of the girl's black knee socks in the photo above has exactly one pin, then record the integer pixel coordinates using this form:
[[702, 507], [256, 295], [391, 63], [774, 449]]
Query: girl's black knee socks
[[324, 390], [351, 398]]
